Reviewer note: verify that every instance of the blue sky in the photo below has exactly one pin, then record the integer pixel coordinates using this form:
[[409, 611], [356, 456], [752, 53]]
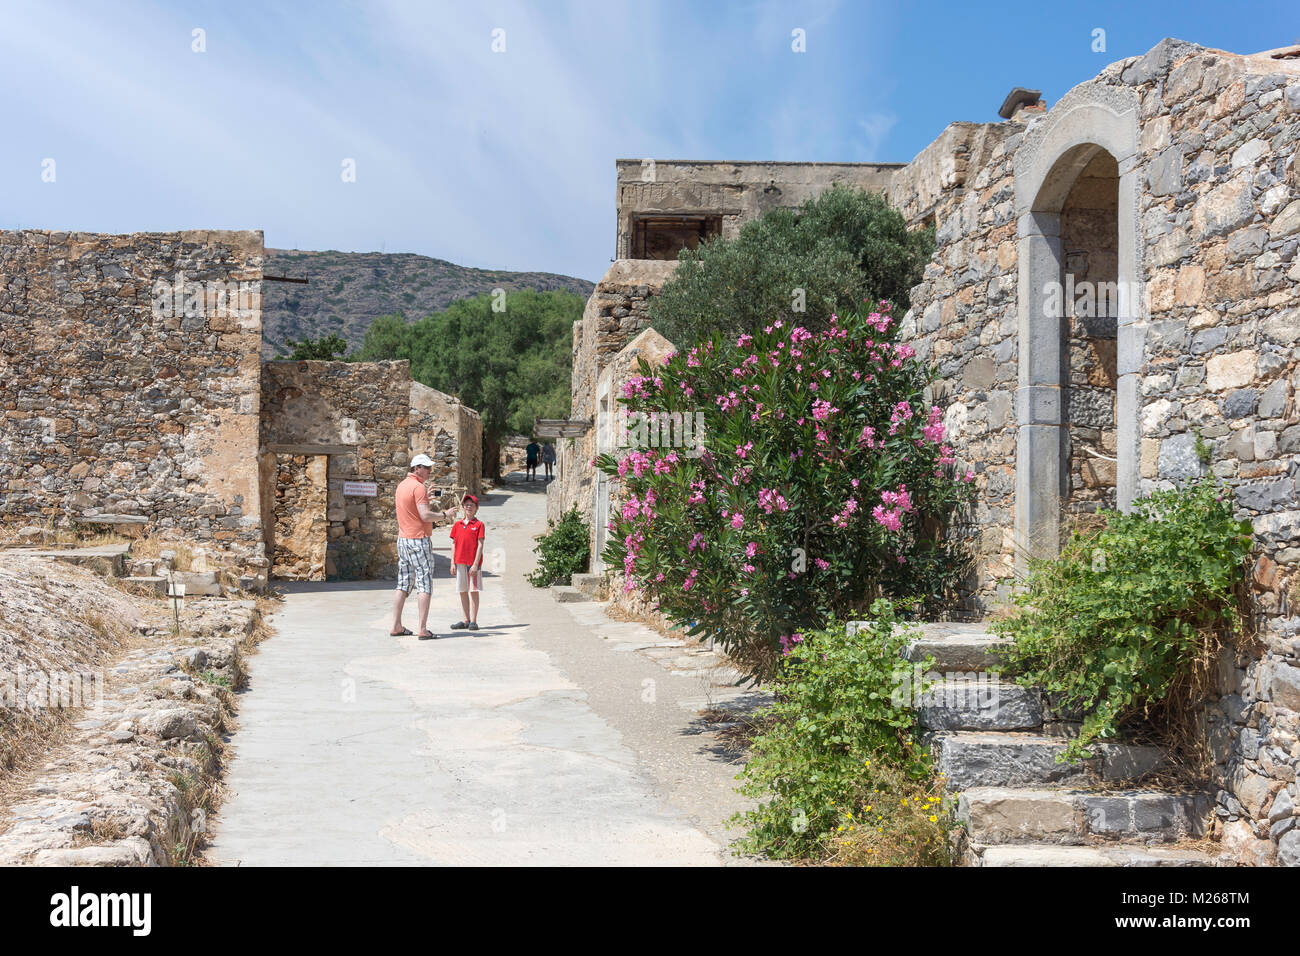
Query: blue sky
[[506, 159]]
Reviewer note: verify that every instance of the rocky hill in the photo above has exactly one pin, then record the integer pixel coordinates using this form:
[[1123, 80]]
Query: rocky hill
[[346, 290]]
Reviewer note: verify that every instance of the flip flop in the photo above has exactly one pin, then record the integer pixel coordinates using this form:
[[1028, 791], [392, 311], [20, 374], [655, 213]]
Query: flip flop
[[402, 633], [427, 636]]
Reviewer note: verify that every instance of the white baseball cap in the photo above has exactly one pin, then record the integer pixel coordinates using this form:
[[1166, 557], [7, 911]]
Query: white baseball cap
[[419, 460]]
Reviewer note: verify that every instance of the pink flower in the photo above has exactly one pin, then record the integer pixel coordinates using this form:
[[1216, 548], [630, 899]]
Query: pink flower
[[823, 410], [901, 413], [743, 450], [933, 430], [890, 520], [751, 549], [697, 541], [822, 565], [738, 521]]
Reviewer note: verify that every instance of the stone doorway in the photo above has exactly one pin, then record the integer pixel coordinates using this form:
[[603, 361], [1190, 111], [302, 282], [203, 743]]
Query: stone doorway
[[1090, 296], [300, 528], [1080, 316]]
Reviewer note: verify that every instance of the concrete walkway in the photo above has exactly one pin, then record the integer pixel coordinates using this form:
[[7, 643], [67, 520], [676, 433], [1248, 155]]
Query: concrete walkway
[[551, 736]]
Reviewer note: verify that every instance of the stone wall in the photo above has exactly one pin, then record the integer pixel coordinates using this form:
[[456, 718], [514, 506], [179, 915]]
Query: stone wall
[[129, 381], [450, 433], [963, 320], [1207, 226], [653, 348], [358, 414], [1220, 224], [615, 314], [301, 486], [732, 193]]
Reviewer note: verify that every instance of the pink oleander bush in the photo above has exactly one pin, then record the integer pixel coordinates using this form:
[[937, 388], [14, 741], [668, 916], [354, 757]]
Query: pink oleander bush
[[819, 481]]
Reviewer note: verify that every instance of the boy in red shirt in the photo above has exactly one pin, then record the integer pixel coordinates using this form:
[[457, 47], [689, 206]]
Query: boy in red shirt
[[467, 561]]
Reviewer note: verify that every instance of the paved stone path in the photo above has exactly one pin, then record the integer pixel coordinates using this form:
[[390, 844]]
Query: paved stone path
[[553, 735]]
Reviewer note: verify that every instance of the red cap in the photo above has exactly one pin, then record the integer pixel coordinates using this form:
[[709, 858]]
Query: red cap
[[469, 497]]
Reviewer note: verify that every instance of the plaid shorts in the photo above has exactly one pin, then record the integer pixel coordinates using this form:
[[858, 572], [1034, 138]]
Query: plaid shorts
[[415, 565]]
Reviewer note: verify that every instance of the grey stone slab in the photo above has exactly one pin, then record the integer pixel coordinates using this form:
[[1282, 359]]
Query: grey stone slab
[[976, 759], [979, 704]]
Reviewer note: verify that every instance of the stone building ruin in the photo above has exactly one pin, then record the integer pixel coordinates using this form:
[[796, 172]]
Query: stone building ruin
[[1113, 307], [133, 393]]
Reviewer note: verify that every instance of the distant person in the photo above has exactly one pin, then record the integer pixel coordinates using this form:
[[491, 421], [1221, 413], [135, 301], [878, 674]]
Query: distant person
[[533, 450], [548, 458], [415, 544], [467, 561]]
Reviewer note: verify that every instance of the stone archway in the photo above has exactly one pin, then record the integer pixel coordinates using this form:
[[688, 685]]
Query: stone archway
[[1091, 133]]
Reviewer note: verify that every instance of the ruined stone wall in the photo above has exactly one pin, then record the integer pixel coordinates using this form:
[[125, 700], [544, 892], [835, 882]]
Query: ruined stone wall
[[941, 171], [1215, 195], [450, 433], [1220, 219], [121, 398], [299, 509], [358, 414], [616, 312], [736, 192], [963, 320], [514, 453], [653, 348]]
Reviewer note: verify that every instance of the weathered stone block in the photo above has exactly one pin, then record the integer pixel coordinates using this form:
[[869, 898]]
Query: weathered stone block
[[1231, 371]]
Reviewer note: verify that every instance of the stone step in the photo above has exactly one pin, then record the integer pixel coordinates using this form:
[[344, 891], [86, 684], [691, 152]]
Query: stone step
[[957, 703], [148, 582], [957, 647], [105, 558], [592, 585], [1001, 815], [1119, 855], [567, 594], [128, 526], [991, 759]]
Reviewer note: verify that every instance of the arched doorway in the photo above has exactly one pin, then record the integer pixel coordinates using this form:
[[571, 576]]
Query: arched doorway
[[1080, 317]]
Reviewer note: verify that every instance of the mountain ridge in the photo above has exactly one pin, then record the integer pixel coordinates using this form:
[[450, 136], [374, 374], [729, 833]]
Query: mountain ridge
[[346, 291]]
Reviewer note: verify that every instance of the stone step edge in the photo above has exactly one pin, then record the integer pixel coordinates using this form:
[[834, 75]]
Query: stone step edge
[[1122, 854], [1074, 815], [1114, 761]]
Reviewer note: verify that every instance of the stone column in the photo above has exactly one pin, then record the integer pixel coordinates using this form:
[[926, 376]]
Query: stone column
[[1039, 412], [1131, 344]]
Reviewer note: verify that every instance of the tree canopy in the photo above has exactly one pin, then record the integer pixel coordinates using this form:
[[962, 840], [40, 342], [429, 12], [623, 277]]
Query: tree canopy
[[511, 365], [327, 348], [844, 247]]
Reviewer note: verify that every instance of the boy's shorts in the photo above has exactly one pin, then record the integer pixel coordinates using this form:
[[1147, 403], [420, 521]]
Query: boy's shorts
[[466, 581]]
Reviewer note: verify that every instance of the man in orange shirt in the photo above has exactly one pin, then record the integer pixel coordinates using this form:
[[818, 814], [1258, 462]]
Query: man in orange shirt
[[415, 521]]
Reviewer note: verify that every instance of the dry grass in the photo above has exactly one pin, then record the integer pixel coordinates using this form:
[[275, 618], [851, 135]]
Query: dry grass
[[25, 737]]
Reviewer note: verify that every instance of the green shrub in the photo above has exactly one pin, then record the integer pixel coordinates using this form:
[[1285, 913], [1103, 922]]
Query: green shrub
[[841, 751], [818, 479], [801, 266], [1133, 610], [562, 551]]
